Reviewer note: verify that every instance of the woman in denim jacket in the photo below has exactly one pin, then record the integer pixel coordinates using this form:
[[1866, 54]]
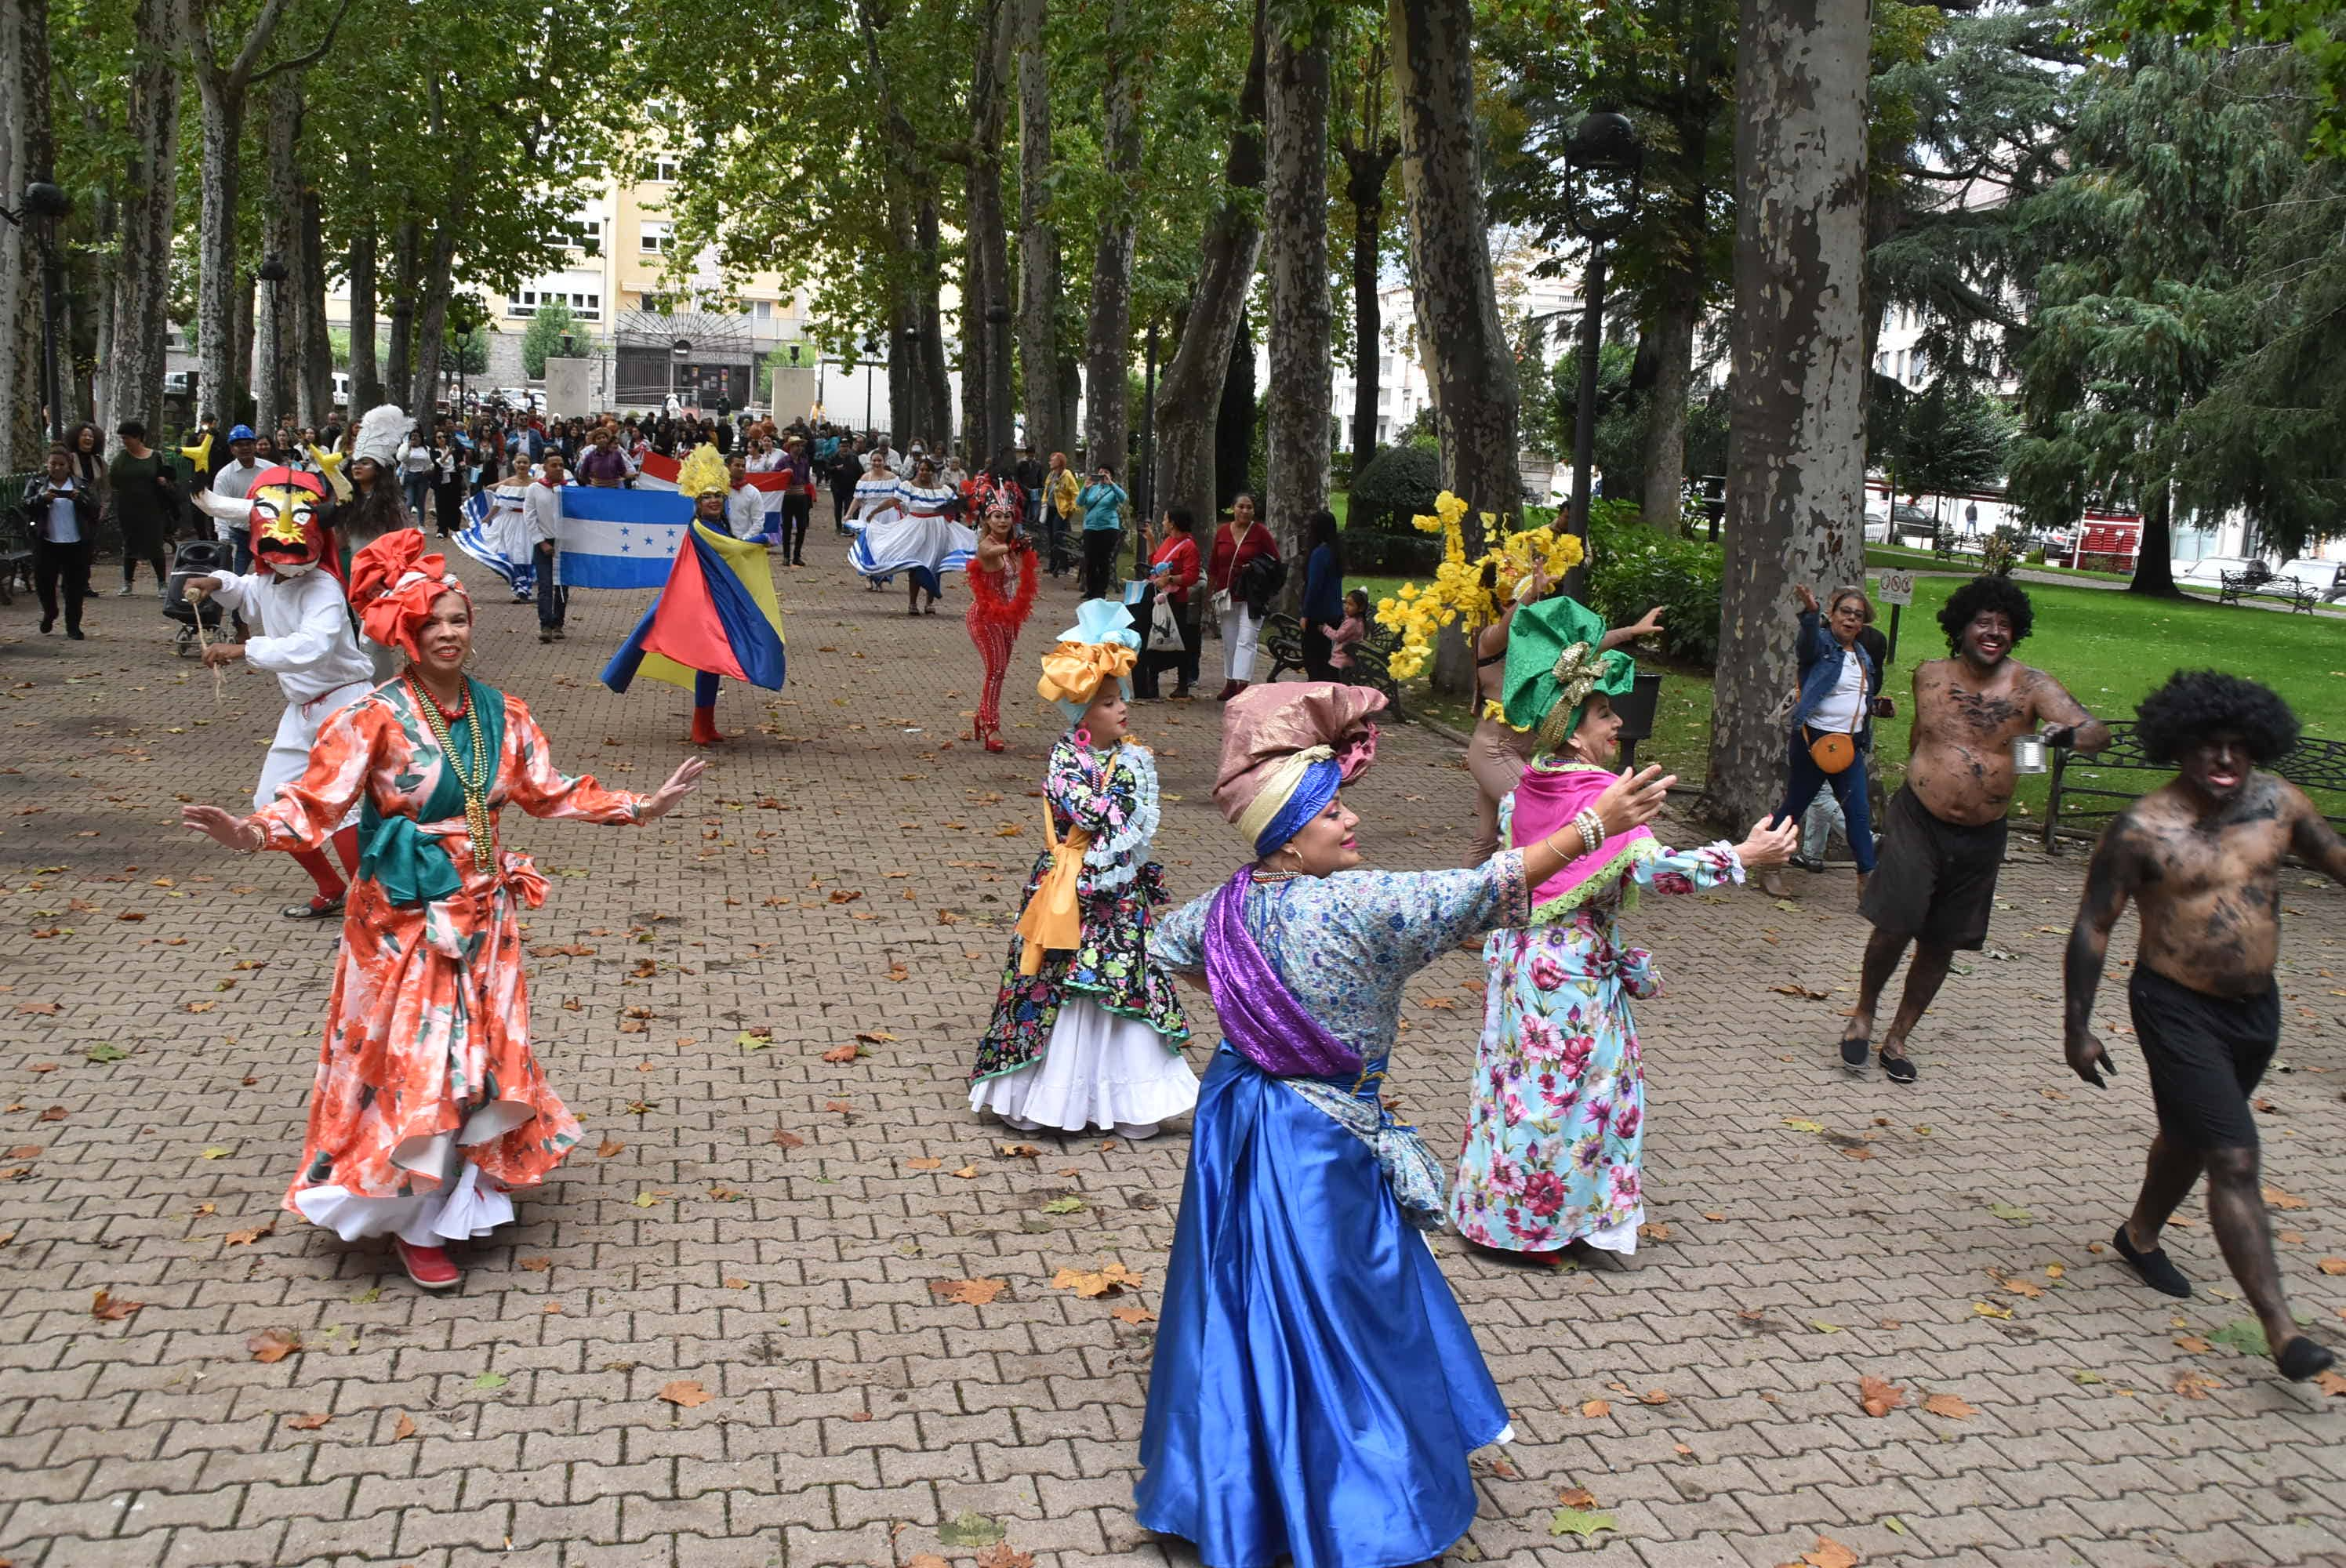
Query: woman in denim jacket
[[1841, 693]]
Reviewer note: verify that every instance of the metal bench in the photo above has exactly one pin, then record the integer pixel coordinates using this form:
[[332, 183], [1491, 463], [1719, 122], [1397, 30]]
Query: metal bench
[[15, 548], [1283, 636], [2318, 765], [2231, 586]]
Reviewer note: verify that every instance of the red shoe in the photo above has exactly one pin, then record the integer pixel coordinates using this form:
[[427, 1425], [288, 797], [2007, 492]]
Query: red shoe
[[429, 1266], [993, 743], [704, 727]]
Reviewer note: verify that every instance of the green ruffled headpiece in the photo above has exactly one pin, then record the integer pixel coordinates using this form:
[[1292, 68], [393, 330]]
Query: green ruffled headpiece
[[1553, 664]]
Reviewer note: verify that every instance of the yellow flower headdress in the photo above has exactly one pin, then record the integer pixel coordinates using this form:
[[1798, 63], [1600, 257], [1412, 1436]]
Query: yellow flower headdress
[[703, 472]]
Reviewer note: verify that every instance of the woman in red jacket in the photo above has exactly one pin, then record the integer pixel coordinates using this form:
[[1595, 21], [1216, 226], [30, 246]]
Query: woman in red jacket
[[1237, 544], [1173, 571]]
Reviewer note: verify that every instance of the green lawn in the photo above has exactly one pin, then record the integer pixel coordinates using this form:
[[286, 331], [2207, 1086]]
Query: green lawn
[[2109, 649], [1878, 556]]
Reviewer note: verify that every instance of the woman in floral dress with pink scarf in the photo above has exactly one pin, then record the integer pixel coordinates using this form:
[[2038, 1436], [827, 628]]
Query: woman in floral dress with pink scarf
[[1553, 1137]]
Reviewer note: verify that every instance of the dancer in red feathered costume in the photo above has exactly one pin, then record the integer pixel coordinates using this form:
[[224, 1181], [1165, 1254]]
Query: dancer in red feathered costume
[[1002, 580]]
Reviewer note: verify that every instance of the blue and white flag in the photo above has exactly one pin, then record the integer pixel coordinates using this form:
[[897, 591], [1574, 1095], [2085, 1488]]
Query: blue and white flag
[[496, 535], [620, 538]]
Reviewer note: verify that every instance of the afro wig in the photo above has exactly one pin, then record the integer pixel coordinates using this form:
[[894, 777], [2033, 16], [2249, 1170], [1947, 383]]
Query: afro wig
[[2197, 703], [1987, 593]]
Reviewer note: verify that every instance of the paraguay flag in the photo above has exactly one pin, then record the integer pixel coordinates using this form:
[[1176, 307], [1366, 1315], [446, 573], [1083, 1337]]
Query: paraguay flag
[[657, 472], [717, 615]]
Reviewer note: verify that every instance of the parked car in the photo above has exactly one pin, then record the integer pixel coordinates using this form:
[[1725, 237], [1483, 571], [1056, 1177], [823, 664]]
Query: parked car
[[1900, 522], [2327, 578]]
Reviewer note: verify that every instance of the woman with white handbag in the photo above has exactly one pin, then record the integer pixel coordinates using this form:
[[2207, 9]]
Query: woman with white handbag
[[1172, 625]]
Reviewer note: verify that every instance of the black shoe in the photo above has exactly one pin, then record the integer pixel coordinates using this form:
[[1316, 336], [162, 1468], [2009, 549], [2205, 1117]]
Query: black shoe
[[49, 625], [1811, 863], [1898, 1069], [2301, 1360], [1854, 1052], [2160, 1274], [74, 633]]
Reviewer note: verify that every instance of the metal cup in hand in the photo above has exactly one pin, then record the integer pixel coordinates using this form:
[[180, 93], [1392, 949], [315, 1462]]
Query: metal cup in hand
[[2028, 754]]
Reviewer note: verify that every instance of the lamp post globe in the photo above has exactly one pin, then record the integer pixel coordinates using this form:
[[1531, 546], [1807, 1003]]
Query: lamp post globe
[[1605, 159]]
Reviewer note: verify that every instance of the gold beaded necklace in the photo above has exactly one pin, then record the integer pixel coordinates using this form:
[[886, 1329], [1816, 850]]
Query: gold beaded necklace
[[476, 788]]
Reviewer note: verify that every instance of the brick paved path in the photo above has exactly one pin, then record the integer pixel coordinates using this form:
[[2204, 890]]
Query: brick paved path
[[844, 872]]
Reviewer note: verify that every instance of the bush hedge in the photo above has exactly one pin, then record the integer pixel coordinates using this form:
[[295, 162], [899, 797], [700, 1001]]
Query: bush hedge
[[1400, 483], [1632, 568]]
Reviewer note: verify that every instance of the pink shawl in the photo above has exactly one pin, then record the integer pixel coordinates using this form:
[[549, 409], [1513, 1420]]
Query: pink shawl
[[1545, 802]]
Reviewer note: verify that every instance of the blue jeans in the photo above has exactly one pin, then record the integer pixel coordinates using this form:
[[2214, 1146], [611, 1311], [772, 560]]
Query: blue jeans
[[418, 486], [1848, 788]]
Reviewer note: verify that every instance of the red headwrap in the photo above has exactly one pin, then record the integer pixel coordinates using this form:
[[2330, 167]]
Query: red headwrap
[[393, 585]]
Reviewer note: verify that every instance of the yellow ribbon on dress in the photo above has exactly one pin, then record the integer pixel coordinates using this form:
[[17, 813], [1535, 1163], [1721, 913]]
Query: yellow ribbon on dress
[[1074, 672], [1051, 918]]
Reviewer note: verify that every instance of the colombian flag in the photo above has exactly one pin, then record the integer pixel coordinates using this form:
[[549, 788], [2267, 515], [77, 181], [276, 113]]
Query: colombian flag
[[716, 616]]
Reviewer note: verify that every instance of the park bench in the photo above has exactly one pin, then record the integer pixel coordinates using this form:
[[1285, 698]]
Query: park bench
[[2232, 585], [16, 540], [1282, 634], [2120, 774]]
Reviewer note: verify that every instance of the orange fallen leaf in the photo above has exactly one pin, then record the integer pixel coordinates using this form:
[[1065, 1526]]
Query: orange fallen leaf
[[928, 1560], [608, 1147], [247, 1238], [404, 1429], [1655, 1397], [1019, 1151], [733, 1283], [967, 1292], [107, 1307], [1877, 1396], [2331, 1383], [307, 1423], [1002, 1554], [1579, 1497], [48, 1008], [2195, 1385], [1595, 1408], [201, 1006], [1828, 1553], [839, 1106], [551, 1307], [2194, 1343], [1949, 1406], [786, 1140], [2277, 1198], [2332, 1266], [272, 1345], [875, 1037], [1132, 1314], [924, 1163], [26, 1152], [2027, 1288], [685, 1392], [840, 1053], [1109, 1279], [968, 1172]]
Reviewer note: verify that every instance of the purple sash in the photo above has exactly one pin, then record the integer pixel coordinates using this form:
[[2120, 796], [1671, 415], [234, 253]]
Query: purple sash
[[1259, 1015]]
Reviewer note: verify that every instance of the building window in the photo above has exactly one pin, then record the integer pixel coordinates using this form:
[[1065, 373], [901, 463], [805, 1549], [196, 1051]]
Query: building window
[[1384, 397], [584, 306], [660, 170], [761, 309], [653, 238], [584, 234]]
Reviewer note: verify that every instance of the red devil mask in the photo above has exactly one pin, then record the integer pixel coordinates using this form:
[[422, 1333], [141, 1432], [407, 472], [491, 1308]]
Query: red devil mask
[[289, 534]]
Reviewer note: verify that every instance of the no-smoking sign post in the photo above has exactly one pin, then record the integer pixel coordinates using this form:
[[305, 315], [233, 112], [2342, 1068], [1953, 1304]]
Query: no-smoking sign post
[[1895, 589]]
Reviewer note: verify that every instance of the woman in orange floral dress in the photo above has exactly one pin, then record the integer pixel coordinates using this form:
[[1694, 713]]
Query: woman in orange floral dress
[[429, 1107]]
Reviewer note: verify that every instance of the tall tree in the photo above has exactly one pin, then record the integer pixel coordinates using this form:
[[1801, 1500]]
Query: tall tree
[[226, 69], [1368, 146], [986, 277], [1190, 392], [149, 215], [1295, 209], [281, 241], [1038, 236], [1108, 330], [1796, 461], [27, 153]]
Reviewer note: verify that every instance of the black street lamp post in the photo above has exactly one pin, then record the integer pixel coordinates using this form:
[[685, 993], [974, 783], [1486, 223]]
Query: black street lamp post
[[273, 272], [47, 205], [1604, 175]]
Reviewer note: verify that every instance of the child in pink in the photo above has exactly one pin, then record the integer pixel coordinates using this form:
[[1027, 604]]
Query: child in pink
[[1355, 628]]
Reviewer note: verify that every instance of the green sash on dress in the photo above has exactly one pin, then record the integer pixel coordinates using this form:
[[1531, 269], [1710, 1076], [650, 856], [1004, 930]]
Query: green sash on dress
[[413, 867]]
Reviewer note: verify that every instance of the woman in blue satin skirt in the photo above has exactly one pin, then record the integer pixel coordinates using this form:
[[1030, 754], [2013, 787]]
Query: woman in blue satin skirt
[[1316, 1389]]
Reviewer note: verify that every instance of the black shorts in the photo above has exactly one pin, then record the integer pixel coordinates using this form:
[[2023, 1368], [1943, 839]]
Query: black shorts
[[2204, 1055], [1933, 881]]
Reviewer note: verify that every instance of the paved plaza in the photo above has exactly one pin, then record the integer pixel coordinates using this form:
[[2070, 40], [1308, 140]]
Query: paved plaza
[[729, 1332]]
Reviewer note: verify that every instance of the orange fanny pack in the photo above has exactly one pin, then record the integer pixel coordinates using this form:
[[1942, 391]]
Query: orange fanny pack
[[1832, 753]]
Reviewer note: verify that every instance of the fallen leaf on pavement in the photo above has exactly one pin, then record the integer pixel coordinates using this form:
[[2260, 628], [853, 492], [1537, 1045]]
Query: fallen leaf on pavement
[[1109, 1279], [1578, 1521], [786, 1140], [2194, 1343], [924, 1163], [2195, 1385], [2276, 1198], [537, 1265], [1132, 1314], [247, 1238], [404, 1429], [840, 1053], [107, 1307], [1655, 1397], [1949, 1406], [967, 1292], [928, 1560], [1579, 1497], [1828, 1553], [307, 1423], [875, 1037], [2027, 1288], [1018, 1151], [2331, 1383], [26, 1152], [608, 1147], [48, 1008], [1595, 1409], [272, 1345], [2332, 1266], [968, 1172], [1005, 1555], [685, 1393], [1877, 1396], [967, 1529], [1985, 1310]]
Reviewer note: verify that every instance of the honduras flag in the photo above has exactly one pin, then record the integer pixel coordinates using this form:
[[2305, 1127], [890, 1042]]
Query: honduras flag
[[717, 615], [621, 538]]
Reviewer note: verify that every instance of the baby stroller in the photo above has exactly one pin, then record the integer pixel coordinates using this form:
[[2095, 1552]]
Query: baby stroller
[[196, 558]]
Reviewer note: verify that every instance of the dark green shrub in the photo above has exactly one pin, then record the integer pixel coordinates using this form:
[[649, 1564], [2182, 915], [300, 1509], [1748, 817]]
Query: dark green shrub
[[1632, 568], [1400, 483]]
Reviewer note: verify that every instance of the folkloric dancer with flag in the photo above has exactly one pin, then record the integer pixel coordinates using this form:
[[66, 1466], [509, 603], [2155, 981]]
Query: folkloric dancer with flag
[[497, 534], [716, 616]]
